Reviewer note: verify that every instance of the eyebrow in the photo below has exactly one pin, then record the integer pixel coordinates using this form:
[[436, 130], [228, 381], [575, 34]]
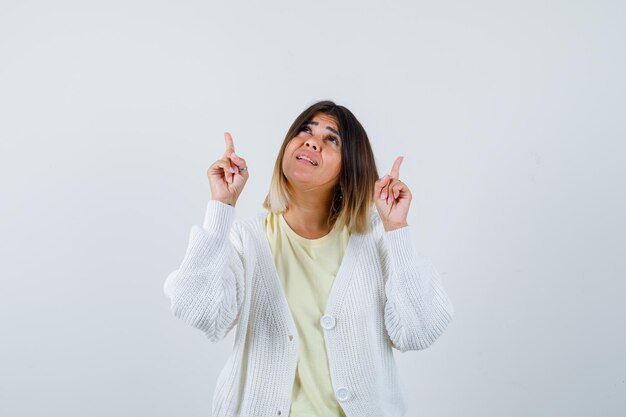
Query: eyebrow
[[327, 127]]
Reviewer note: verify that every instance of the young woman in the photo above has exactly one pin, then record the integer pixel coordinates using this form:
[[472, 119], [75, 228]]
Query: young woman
[[321, 286]]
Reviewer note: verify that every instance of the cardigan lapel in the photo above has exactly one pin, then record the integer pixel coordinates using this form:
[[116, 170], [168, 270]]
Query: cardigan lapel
[[340, 283]]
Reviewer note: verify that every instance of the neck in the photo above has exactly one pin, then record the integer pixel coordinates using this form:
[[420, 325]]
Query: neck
[[308, 213]]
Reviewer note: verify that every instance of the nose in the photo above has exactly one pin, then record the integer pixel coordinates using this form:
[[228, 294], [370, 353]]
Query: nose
[[312, 142]]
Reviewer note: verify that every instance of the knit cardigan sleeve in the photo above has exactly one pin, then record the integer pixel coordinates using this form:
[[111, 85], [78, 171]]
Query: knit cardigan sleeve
[[417, 308], [207, 290]]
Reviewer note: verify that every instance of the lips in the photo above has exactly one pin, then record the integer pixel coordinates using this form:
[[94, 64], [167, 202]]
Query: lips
[[305, 156]]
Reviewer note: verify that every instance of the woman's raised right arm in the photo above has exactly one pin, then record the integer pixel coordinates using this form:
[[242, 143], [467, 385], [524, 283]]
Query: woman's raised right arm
[[208, 289]]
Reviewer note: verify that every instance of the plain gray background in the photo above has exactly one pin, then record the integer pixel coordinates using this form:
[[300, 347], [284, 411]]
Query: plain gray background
[[510, 116]]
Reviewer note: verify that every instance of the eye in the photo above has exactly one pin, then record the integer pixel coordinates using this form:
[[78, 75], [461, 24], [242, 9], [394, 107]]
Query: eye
[[306, 128]]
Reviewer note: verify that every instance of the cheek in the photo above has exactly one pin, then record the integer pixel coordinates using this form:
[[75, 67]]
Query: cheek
[[285, 163], [291, 146], [337, 164], [288, 150], [339, 158]]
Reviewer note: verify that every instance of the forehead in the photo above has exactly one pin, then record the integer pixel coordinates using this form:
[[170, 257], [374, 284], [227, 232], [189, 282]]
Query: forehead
[[324, 118]]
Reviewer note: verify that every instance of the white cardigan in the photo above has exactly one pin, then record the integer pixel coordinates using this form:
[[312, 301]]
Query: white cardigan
[[384, 295]]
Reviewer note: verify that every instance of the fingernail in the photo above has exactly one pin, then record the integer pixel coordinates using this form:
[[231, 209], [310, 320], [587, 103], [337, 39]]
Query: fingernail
[[233, 170], [383, 196]]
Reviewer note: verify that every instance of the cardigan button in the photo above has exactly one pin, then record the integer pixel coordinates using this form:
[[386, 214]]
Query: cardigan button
[[327, 322], [342, 394]]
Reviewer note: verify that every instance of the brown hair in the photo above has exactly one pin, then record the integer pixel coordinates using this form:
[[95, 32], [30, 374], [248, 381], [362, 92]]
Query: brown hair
[[354, 194]]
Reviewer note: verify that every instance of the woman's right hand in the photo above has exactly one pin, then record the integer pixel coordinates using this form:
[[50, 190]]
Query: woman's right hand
[[225, 175]]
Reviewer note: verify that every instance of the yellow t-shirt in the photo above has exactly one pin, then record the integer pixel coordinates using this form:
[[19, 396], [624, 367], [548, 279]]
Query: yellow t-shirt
[[307, 269]]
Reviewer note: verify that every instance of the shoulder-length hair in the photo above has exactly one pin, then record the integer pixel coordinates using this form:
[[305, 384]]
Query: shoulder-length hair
[[353, 197]]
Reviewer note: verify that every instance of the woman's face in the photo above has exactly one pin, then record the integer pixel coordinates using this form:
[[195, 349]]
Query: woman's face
[[319, 141]]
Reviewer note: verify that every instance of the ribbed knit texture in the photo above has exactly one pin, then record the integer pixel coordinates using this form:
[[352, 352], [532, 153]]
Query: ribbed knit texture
[[385, 296]]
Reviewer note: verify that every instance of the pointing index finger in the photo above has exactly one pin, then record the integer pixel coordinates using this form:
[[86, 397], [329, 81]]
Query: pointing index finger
[[395, 170], [230, 147]]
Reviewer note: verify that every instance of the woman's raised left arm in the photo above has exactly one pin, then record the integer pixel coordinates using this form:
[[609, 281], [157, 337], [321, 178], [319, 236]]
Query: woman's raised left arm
[[417, 308]]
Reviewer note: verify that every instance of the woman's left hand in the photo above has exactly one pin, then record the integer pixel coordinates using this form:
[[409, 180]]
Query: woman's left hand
[[392, 198]]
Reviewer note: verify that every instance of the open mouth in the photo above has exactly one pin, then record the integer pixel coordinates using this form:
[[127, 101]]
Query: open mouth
[[306, 159]]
